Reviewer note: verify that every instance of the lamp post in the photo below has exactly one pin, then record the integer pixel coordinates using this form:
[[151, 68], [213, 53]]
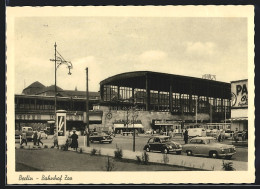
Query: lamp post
[[134, 117], [59, 60], [196, 111], [87, 109]]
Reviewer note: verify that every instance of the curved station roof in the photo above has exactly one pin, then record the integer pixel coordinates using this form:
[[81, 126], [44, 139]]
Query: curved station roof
[[162, 81]]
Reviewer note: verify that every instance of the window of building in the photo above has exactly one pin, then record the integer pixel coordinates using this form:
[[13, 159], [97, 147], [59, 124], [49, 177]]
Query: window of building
[[164, 101], [176, 105], [140, 96]]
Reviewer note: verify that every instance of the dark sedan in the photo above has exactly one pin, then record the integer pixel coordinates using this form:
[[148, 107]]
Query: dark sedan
[[162, 144]]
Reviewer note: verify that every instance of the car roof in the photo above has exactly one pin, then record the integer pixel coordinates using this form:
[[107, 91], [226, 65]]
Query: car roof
[[203, 138]]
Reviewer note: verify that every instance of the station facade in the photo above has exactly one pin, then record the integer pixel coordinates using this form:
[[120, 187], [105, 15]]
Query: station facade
[[161, 101], [142, 100]]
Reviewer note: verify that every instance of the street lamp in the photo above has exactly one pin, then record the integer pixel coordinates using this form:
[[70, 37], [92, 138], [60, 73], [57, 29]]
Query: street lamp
[[59, 60], [135, 115]]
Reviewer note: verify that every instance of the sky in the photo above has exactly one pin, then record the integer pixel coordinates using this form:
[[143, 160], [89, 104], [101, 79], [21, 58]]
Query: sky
[[188, 46]]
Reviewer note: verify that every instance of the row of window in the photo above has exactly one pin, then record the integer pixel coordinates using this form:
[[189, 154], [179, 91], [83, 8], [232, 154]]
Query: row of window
[[160, 101], [48, 105]]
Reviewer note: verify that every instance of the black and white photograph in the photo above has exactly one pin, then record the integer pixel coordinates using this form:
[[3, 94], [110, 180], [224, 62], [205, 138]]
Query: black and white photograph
[[130, 95]]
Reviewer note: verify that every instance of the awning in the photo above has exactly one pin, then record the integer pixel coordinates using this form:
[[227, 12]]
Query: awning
[[238, 119], [122, 126]]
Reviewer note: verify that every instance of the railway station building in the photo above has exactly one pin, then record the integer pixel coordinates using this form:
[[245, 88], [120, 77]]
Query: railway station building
[[142, 100], [162, 101]]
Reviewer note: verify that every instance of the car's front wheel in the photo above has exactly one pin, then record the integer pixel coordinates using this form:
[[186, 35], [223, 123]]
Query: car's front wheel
[[189, 153], [213, 154], [165, 151]]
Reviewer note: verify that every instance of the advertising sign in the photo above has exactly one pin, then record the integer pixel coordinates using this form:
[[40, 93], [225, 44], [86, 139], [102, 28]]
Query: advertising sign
[[61, 126], [239, 92]]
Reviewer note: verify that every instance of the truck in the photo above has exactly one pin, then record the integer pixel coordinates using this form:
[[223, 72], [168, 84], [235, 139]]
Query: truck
[[27, 130]]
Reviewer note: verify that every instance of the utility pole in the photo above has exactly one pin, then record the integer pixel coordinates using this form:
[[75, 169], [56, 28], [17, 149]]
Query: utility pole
[[87, 109]]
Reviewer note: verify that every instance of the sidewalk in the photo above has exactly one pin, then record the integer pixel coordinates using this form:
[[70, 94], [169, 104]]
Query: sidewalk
[[179, 160]]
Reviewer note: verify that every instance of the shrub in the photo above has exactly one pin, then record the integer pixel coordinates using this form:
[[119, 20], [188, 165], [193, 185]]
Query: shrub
[[165, 159], [145, 158], [45, 146], [118, 153], [228, 166], [93, 152], [109, 165], [139, 160], [80, 151]]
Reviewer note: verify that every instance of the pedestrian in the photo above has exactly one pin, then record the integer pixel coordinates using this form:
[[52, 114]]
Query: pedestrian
[[246, 137], [55, 139], [39, 137], [173, 133], [236, 135], [186, 136], [170, 134], [243, 135], [34, 137], [219, 137], [74, 142], [24, 138], [223, 135]]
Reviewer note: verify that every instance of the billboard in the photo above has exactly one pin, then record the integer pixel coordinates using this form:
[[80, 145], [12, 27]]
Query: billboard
[[239, 94]]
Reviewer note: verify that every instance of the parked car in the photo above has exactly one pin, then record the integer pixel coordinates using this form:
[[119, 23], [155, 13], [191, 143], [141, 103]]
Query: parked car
[[148, 132], [208, 146], [127, 133], [229, 134], [27, 130], [100, 137], [163, 144]]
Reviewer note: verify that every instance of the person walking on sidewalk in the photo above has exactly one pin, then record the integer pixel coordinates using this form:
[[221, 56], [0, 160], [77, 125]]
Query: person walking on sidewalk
[[24, 138], [243, 135], [236, 135], [34, 138], [186, 136], [74, 142], [55, 139], [39, 137]]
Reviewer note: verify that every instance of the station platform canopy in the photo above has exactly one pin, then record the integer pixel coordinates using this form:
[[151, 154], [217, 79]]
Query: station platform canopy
[[161, 82]]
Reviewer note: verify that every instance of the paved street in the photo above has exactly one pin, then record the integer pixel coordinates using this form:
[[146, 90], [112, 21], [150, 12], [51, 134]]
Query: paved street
[[126, 143]]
